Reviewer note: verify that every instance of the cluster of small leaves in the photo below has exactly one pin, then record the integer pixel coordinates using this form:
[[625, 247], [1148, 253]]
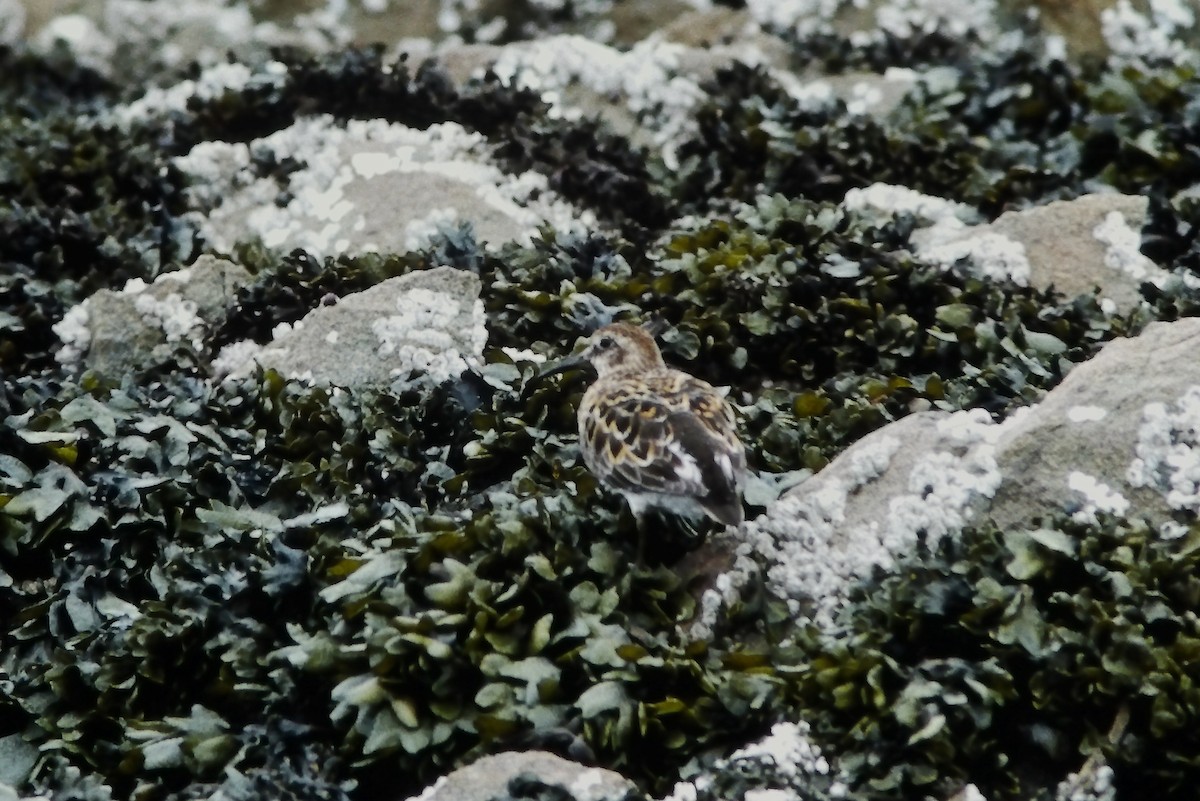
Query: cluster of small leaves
[[36, 85], [832, 54], [1007, 129], [433, 582], [143, 596], [355, 83], [826, 323], [85, 206], [1004, 657]]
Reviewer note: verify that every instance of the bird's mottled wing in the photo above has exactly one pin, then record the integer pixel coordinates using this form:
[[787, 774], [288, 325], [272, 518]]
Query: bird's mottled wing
[[688, 394], [643, 440]]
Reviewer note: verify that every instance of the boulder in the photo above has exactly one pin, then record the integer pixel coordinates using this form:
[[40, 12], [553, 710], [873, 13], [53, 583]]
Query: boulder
[[366, 186], [430, 322], [489, 779], [1120, 435], [1081, 244], [1077, 246], [1117, 427], [115, 332], [920, 476]]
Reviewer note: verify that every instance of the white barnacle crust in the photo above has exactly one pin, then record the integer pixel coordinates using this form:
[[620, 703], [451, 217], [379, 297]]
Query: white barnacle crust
[[335, 196], [419, 336], [75, 334], [986, 253], [1168, 451], [212, 83], [946, 240], [646, 78], [174, 315], [812, 555], [1153, 37], [234, 357], [1123, 249], [1098, 497], [895, 18], [888, 200], [1092, 783]]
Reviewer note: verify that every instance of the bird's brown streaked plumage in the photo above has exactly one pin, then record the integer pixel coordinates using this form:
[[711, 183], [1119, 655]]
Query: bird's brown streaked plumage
[[657, 435]]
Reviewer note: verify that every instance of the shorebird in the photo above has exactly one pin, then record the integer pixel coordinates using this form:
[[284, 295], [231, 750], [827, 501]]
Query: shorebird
[[658, 436]]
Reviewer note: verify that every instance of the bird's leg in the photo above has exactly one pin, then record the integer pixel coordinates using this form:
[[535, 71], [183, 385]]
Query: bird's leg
[[640, 554], [638, 508]]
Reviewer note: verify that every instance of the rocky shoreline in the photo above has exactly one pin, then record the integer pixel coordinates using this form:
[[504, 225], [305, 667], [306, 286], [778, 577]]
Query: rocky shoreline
[[286, 511]]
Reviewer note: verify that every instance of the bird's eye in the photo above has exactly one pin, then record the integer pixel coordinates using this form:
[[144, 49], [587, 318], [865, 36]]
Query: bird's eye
[[605, 343]]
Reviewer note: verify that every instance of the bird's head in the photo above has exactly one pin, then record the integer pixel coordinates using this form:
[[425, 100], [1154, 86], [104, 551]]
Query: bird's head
[[622, 348], [612, 350]]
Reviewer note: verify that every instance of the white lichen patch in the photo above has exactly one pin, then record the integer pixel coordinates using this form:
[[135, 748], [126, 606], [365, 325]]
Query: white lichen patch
[[942, 486], [234, 356], [1086, 414], [800, 18], [592, 784], [212, 83], [1168, 451], [811, 95], [81, 36], [1093, 783], [956, 19], [888, 200], [1122, 250], [174, 316], [143, 36], [812, 552], [647, 79], [945, 240], [419, 337], [786, 757], [1153, 37], [74, 333], [789, 749], [1098, 497], [986, 254], [868, 464], [366, 185], [898, 18]]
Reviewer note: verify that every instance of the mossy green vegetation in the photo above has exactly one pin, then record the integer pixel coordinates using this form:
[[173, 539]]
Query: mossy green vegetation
[[344, 594], [1000, 656]]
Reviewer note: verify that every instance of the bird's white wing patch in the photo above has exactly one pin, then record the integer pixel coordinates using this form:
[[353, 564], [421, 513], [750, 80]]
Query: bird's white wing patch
[[687, 469], [726, 466]]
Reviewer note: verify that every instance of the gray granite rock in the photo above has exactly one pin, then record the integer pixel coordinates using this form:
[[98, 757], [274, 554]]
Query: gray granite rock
[[430, 321], [489, 777], [1063, 248], [1092, 425], [1077, 246], [115, 332], [1120, 434], [368, 186], [920, 476]]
